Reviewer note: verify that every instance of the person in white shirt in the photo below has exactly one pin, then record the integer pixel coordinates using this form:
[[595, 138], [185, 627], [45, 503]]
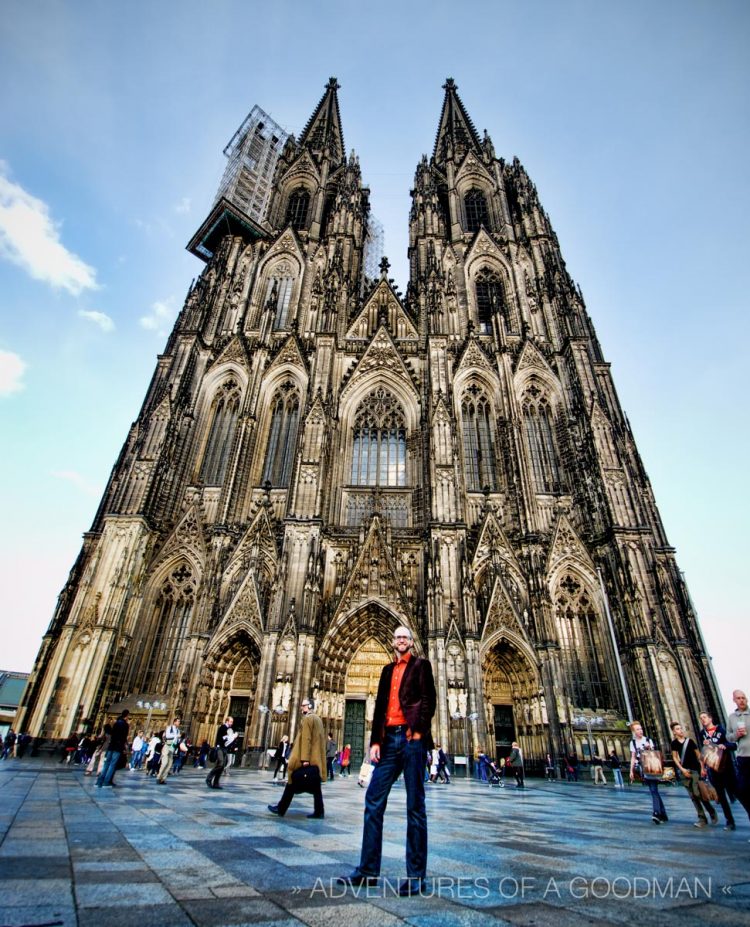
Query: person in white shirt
[[136, 751], [171, 740]]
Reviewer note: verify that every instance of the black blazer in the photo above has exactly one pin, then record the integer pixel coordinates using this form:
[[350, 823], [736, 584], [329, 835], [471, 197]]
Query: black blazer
[[417, 697]]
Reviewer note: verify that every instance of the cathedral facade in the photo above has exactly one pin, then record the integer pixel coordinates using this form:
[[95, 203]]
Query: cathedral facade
[[320, 459]]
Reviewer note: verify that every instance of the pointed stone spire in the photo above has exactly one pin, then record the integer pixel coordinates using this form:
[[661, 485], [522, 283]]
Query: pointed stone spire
[[456, 133], [322, 135]]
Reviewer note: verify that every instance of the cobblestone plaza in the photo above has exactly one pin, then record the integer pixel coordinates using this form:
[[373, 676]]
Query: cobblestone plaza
[[558, 853]]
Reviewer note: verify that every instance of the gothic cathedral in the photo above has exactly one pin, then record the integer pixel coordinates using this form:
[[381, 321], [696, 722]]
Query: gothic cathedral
[[320, 459]]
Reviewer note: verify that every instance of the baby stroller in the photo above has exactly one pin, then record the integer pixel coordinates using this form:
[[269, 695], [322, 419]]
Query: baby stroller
[[491, 772]]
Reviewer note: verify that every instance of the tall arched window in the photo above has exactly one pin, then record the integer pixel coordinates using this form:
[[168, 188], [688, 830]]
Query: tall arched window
[[282, 440], [278, 298], [168, 627], [477, 214], [225, 411], [490, 298], [296, 210], [582, 646], [540, 437], [379, 448], [479, 454]]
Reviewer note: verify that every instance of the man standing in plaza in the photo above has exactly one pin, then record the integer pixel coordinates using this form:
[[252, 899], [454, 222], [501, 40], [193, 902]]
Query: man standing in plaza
[[515, 761], [171, 740], [118, 744], [401, 737], [307, 764], [738, 723], [224, 737]]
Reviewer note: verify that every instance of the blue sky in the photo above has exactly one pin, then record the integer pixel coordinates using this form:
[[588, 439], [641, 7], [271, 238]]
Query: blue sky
[[631, 118]]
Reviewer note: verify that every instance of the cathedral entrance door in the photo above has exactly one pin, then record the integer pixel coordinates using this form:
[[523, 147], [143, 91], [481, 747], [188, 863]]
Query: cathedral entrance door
[[354, 731], [505, 730], [239, 706]]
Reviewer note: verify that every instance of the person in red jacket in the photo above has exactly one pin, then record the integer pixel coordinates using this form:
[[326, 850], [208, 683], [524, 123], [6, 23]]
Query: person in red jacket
[[401, 737]]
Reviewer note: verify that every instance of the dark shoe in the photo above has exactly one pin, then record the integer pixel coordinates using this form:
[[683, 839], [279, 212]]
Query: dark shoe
[[357, 878], [209, 784], [217, 786], [274, 809], [411, 887], [664, 817], [316, 815], [730, 826], [656, 818]]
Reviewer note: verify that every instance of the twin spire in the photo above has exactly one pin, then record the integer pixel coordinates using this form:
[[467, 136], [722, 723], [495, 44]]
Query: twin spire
[[456, 133], [322, 134]]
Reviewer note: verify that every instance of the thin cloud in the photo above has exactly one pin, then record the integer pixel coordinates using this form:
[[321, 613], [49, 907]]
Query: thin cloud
[[98, 318], [160, 319], [31, 239], [183, 206], [12, 369], [70, 476]]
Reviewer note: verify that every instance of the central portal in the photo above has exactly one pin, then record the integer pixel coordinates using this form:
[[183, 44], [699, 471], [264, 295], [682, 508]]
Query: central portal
[[362, 679]]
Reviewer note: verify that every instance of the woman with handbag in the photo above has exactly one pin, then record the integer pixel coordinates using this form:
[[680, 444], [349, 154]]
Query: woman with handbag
[[647, 762], [717, 759], [688, 760]]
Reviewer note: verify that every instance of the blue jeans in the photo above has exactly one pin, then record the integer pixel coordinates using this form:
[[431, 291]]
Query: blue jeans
[[111, 759], [397, 755], [656, 802]]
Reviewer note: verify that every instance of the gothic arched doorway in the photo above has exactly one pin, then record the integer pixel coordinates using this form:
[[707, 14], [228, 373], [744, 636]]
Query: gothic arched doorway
[[514, 703], [228, 686], [359, 695], [352, 655]]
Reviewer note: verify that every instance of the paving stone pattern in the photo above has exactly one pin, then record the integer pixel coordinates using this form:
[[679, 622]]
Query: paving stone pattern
[[555, 854]]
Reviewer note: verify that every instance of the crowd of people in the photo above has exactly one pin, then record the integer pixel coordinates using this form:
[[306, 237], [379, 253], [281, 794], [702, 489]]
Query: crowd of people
[[714, 768]]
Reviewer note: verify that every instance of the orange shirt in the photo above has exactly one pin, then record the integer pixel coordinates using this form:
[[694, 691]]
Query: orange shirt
[[393, 714]]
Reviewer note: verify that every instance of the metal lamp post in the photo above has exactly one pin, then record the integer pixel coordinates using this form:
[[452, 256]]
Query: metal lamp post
[[266, 712], [150, 706], [588, 724]]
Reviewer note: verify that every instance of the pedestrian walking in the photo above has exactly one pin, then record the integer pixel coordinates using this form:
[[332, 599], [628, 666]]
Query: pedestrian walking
[[642, 749], [224, 737], [738, 723], [307, 764], [281, 756], [687, 759], [331, 752], [717, 758], [616, 766], [171, 741], [118, 744], [515, 761]]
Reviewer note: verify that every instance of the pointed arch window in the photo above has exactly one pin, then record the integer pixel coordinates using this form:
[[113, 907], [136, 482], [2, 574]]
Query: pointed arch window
[[278, 298], [540, 438], [582, 646], [475, 207], [297, 208], [479, 453], [379, 442], [225, 411], [282, 439], [167, 630], [490, 298]]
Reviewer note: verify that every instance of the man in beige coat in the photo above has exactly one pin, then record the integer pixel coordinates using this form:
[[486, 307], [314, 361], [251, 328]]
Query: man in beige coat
[[307, 764]]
